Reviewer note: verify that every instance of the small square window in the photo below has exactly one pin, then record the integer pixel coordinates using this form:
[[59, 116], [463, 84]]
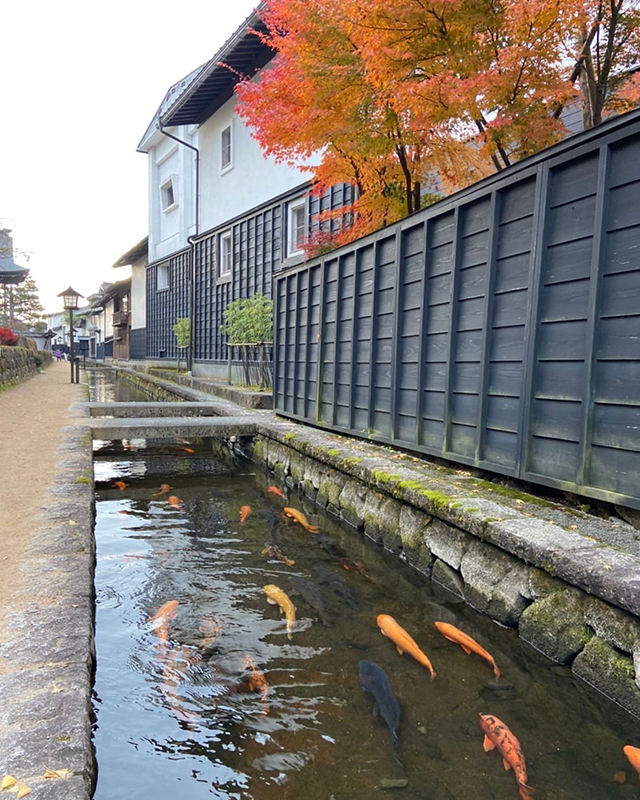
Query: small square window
[[297, 227], [226, 255], [167, 195], [162, 277], [225, 138]]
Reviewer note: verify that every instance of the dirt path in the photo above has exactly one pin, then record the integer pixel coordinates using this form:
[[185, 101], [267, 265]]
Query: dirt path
[[32, 416]]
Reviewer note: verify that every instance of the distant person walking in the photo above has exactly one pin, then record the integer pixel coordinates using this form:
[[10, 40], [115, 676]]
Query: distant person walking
[[57, 355]]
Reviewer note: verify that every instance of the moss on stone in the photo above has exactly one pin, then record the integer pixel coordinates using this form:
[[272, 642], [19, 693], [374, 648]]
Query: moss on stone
[[334, 453], [439, 500], [513, 494], [83, 479], [258, 450], [289, 436], [352, 462]]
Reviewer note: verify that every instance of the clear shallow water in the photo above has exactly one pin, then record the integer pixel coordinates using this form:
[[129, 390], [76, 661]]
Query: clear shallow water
[[171, 721], [103, 388]]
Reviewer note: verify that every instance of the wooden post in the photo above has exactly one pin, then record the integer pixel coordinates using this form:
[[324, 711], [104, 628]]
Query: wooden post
[[229, 351]]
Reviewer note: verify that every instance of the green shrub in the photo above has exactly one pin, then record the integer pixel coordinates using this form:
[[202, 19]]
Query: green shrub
[[249, 320]]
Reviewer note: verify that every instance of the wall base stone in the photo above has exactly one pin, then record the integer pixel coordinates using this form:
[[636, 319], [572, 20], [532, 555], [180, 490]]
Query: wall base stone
[[495, 583], [609, 671], [555, 625]]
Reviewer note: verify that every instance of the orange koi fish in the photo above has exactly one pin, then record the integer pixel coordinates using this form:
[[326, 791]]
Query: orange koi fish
[[353, 566], [298, 516], [276, 491], [272, 551], [403, 642], [468, 644], [164, 488], [256, 680], [188, 449], [163, 618], [633, 754], [275, 596], [498, 736], [245, 513], [174, 502], [120, 485]]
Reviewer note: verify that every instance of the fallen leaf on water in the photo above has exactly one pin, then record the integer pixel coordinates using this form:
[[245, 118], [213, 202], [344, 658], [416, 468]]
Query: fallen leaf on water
[[620, 777], [23, 791], [57, 773], [608, 566], [8, 781], [56, 690]]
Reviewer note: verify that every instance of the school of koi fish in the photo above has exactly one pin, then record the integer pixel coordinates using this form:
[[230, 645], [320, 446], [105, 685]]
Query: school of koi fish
[[178, 660]]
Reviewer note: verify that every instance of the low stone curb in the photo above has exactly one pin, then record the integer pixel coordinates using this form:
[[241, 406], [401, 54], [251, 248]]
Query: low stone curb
[[47, 662], [242, 397]]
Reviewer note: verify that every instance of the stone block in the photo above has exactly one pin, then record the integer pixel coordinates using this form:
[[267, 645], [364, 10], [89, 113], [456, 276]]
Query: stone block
[[331, 485], [495, 583], [606, 669], [412, 524], [555, 625], [615, 626], [447, 577], [297, 467], [541, 584], [314, 472], [381, 515], [352, 503], [447, 543]]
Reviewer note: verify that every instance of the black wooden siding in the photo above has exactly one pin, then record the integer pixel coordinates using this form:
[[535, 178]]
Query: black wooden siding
[[164, 307], [258, 252], [500, 327]]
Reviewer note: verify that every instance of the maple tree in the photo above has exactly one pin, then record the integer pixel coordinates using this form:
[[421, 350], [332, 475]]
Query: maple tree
[[408, 99], [607, 66]]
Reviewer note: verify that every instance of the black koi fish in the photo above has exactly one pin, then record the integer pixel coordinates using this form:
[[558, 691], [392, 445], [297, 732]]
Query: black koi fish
[[374, 681]]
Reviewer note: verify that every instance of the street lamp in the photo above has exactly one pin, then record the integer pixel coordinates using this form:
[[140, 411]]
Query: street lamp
[[70, 303]]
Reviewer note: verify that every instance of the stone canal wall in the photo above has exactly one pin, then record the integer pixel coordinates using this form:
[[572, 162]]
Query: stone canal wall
[[548, 571], [18, 364], [567, 580]]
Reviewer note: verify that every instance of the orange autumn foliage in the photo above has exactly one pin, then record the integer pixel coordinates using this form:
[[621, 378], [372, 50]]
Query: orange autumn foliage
[[411, 99]]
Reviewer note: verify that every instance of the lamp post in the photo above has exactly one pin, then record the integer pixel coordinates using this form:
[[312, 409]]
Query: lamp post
[[70, 303]]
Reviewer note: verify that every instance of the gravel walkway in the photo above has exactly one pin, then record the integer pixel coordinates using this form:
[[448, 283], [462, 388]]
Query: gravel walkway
[[32, 417]]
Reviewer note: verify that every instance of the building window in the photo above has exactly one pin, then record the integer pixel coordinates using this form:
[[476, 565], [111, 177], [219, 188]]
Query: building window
[[162, 277], [226, 255], [297, 227], [167, 195], [225, 138]]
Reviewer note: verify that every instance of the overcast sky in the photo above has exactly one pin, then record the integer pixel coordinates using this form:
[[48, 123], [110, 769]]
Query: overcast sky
[[80, 83]]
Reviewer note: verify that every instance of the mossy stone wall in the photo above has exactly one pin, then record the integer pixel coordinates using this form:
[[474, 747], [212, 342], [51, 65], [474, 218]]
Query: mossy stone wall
[[563, 622], [18, 364]]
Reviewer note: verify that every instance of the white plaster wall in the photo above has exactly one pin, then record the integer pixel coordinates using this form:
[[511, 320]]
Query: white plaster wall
[[139, 294], [107, 319], [253, 178], [168, 230]]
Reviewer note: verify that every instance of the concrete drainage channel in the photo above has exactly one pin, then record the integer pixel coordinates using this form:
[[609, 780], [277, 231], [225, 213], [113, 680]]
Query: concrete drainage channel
[[567, 580]]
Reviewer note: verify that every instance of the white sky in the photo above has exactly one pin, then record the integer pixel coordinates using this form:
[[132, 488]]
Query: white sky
[[80, 83]]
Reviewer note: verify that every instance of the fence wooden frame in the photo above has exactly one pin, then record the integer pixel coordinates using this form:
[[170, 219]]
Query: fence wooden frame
[[547, 264]]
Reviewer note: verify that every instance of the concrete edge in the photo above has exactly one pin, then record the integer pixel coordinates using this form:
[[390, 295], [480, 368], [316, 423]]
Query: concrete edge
[[48, 659], [593, 566], [234, 394]]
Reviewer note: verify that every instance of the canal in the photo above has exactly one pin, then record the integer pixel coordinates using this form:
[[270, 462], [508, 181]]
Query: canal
[[201, 693]]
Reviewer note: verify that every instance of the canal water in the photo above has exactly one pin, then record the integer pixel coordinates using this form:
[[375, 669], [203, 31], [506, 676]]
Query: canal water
[[200, 693]]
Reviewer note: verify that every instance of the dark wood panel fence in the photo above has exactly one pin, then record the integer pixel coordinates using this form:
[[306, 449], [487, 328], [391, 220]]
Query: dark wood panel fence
[[498, 328]]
